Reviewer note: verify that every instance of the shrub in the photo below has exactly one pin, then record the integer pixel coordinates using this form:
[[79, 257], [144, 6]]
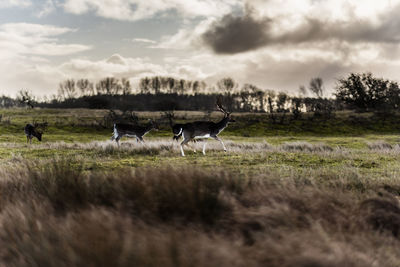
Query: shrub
[[365, 92]]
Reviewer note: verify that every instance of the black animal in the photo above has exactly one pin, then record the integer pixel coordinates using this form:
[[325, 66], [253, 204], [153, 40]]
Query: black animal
[[205, 129], [129, 130], [30, 132]]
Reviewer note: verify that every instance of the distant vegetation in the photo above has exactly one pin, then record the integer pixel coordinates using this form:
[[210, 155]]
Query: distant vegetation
[[361, 92]]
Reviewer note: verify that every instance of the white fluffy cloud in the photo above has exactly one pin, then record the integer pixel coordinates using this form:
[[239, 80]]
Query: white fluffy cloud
[[15, 3], [22, 39], [26, 50], [115, 66], [138, 9], [48, 7], [131, 68], [143, 40]]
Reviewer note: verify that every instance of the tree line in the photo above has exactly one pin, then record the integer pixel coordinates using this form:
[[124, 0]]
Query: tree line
[[357, 91]]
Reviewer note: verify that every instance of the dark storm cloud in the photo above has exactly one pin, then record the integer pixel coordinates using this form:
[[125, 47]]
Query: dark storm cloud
[[233, 35], [312, 30]]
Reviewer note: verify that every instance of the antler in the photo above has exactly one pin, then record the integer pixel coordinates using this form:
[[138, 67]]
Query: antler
[[219, 106]]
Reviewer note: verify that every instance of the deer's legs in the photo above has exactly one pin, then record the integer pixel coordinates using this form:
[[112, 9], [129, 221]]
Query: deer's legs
[[115, 135], [192, 147], [204, 147], [27, 139], [117, 140], [184, 142], [222, 143]]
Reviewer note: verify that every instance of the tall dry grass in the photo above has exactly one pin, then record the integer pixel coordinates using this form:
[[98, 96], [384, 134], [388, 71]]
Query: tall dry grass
[[168, 146], [58, 214]]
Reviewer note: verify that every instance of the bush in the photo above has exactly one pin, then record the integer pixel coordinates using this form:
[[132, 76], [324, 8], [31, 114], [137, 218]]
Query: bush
[[365, 92]]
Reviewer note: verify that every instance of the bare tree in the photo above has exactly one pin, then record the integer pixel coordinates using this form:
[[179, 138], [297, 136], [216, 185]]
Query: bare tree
[[227, 85], [317, 86], [67, 89], [302, 90], [156, 84], [144, 85], [181, 86], [126, 86], [203, 87], [195, 87], [85, 86], [108, 86], [164, 83], [171, 84], [270, 97]]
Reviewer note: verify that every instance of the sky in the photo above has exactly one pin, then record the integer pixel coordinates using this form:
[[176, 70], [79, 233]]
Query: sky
[[273, 44]]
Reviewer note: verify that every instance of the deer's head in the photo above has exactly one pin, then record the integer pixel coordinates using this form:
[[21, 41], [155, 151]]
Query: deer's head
[[39, 136], [39, 128], [227, 114]]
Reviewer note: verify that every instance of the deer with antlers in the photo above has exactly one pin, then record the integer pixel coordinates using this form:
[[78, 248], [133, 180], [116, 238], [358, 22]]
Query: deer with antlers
[[130, 130], [205, 129]]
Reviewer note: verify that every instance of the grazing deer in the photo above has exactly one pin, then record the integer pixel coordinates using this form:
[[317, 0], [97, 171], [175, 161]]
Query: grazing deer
[[130, 130], [30, 132], [205, 129]]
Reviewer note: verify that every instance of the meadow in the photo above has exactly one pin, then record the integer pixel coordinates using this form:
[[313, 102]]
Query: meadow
[[310, 192]]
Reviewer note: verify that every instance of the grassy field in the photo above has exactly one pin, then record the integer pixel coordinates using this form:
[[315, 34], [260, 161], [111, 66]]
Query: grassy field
[[301, 193]]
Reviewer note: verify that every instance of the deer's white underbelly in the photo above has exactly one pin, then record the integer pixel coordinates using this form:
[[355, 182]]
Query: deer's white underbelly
[[202, 136], [130, 135]]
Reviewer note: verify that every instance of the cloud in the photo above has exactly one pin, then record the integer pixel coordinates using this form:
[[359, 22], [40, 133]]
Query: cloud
[[25, 50], [116, 66], [18, 39], [133, 10], [255, 29], [126, 67], [144, 40], [237, 34], [15, 3], [187, 38], [47, 8]]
